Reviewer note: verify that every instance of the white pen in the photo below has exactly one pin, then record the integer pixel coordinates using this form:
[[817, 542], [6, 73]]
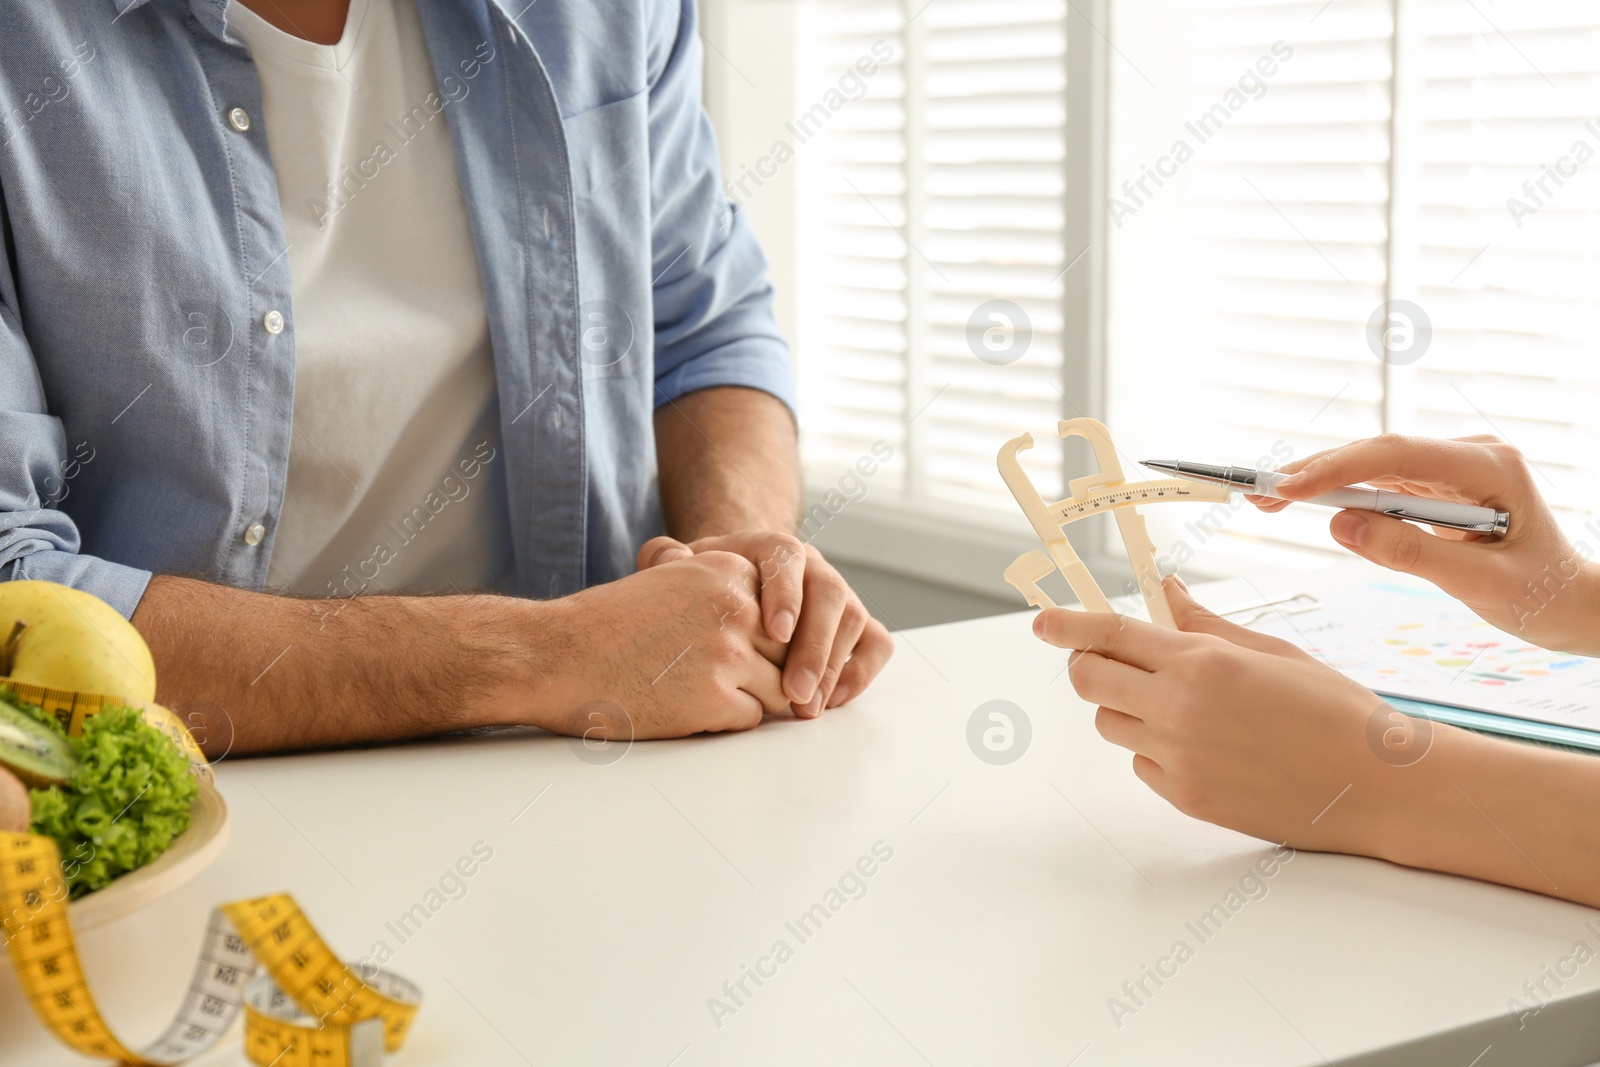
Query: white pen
[[1248, 480]]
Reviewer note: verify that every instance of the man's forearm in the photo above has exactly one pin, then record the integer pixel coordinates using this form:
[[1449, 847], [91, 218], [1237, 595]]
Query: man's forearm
[[728, 461], [252, 672]]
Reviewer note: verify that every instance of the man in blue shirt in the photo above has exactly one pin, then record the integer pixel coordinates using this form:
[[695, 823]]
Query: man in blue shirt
[[272, 333]]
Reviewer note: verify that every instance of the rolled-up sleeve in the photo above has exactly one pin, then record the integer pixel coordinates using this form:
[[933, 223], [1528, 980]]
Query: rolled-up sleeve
[[714, 319], [37, 540]]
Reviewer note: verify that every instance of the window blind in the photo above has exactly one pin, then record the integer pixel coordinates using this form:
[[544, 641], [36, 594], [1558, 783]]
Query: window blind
[[937, 191], [1501, 232], [1386, 162], [1277, 229], [1341, 158]]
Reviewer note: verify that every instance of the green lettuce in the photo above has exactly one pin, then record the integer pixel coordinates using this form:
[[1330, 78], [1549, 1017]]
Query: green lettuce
[[125, 805]]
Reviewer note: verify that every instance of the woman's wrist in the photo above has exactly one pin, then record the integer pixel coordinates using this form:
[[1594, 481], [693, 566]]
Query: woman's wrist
[[1499, 810], [1559, 607], [1582, 620], [1421, 824]]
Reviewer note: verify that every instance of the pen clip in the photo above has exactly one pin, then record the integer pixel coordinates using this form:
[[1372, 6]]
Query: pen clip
[[1502, 522]]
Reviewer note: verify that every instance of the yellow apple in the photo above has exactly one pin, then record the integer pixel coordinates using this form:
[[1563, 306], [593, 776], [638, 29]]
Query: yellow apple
[[71, 640]]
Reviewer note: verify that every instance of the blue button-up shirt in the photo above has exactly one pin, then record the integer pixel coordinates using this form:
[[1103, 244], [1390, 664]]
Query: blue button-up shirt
[[145, 399]]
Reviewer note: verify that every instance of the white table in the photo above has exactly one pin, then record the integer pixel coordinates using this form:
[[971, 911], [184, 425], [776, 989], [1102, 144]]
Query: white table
[[1018, 900]]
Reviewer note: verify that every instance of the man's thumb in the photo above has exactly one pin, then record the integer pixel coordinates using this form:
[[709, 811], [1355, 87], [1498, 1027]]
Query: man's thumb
[[662, 549]]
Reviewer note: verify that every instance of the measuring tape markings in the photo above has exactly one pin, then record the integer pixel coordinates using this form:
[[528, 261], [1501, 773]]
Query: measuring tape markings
[[70, 709], [308, 1009]]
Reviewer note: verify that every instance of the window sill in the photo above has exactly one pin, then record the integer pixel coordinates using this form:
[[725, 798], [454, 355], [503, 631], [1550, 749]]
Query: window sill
[[971, 552]]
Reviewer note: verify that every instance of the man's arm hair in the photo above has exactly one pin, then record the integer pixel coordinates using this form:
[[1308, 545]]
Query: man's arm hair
[[728, 462], [253, 672]]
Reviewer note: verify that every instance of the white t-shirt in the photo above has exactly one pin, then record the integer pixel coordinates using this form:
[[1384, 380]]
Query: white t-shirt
[[396, 478]]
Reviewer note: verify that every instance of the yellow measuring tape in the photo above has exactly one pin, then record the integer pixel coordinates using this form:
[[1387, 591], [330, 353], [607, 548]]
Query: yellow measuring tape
[[303, 1007]]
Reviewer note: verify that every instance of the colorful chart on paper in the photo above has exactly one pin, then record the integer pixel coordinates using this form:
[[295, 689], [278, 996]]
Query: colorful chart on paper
[[1419, 643]]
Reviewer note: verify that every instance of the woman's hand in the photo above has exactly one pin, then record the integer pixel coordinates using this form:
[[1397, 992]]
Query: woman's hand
[[1241, 729], [1531, 581], [1248, 732]]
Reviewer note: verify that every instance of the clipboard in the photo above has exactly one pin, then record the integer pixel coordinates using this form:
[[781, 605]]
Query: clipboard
[[1570, 738], [1555, 735]]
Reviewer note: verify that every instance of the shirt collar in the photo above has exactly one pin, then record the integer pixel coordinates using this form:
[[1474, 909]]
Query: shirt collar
[[211, 13]]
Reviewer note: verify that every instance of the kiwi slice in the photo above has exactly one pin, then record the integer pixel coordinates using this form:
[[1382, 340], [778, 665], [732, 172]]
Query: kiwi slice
[[32, 751]]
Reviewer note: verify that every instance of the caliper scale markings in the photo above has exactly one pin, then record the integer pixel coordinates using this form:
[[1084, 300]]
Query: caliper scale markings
[[1104, 491]]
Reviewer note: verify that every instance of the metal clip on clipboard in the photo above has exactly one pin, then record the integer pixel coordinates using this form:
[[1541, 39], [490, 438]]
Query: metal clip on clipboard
[[1298, 604]]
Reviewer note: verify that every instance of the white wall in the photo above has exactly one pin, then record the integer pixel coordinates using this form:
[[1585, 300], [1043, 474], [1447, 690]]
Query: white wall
[[749, 92]]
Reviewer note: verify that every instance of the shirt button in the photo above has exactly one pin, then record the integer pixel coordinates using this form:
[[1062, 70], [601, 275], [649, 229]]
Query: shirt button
[[273, 321], [239, 119], [254, 534]]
